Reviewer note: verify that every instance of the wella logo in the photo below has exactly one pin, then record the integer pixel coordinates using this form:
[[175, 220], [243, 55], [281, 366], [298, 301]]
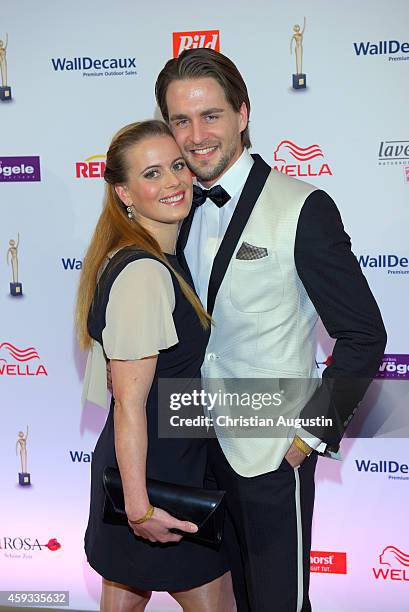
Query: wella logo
[[201, 39], [89, 168], [294, 160], [23, 357], [395, 565], [382, 47], [328, 562]]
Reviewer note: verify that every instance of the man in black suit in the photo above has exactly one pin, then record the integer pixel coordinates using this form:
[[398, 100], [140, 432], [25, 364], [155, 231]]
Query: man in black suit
[[268, 254]]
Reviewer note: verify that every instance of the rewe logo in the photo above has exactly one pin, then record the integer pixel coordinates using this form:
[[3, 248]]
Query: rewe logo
[[328, 562], [382, 47], [89, 168], [394, 366], [202, 39], [395, 565], [23, 357], [300, 161]]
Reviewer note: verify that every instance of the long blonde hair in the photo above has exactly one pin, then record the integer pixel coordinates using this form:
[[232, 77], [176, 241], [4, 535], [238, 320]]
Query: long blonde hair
[[114, 230]]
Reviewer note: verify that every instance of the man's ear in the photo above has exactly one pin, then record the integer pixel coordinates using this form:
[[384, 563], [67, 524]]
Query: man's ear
[[244, 117], [123, 195]]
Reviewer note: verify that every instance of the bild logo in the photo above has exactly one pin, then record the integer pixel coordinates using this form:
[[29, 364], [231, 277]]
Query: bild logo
[[393, 565], [96, 67], [91, 167], [294, 160], [395, 50], [20, 362], [20, 169], [328, 562], [200, 39]]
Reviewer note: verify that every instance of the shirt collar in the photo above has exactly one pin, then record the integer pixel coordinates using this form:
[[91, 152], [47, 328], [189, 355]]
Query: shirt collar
[[235, 177]]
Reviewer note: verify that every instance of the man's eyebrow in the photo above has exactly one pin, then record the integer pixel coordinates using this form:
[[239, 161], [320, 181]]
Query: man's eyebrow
[[208, 111]]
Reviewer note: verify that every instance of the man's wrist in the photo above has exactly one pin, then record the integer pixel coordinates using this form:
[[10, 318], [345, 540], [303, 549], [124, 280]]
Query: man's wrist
[[302, 446]]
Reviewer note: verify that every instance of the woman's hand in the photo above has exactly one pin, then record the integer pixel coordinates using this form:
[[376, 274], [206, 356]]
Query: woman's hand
[[156, 529]]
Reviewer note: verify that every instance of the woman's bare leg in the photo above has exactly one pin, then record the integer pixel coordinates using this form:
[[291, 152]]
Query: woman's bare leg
[[118, 597], [215, 596]]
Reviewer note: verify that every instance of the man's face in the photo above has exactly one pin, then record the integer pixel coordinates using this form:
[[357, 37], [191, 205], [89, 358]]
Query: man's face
[[205, 126]]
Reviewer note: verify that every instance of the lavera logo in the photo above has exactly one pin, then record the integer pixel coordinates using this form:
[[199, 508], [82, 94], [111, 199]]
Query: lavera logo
[[390, 263], [393, 469], [294, 160], [20, 169], [383, 47], [91, 167], [393, 153], [394, 366], [89, 66], [393, 565], [25, 361], [23, 547], [328, 562], [200, 39]]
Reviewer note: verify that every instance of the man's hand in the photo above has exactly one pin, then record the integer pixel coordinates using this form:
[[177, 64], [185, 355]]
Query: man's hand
[[109, 377], [295, 456]]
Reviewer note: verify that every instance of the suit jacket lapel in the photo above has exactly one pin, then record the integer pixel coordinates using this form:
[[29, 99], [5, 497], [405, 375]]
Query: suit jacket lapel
[[182, 238], [249, 196]]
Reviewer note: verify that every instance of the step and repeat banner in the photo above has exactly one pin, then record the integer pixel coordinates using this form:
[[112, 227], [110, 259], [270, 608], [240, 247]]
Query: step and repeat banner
[[329, 89]]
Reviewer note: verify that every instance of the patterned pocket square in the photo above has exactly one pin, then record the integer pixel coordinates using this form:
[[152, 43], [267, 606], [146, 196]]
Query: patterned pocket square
[[248, 251]]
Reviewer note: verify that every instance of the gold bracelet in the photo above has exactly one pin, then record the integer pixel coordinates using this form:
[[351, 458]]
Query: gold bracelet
[[302, 446], [148, 514]]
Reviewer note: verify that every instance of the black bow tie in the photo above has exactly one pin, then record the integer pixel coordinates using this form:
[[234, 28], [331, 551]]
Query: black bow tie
[[217, 194]]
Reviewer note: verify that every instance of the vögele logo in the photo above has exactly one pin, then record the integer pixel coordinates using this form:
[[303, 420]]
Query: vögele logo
[[20, 362], [383, 47], [91, 167], [328, 562], [390, 263], [393, 565], [300, 161], [89, 66], [200, 39], [20, 169], [394, 366]]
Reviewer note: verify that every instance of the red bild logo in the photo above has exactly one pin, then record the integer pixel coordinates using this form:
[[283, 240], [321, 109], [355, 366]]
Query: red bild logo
[[92, 167], [203, 39], [324, 562]]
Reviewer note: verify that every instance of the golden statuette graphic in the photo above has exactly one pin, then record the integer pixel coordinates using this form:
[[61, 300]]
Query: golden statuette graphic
[[21, 449], [5, 90], [299, 78], [16, 288]]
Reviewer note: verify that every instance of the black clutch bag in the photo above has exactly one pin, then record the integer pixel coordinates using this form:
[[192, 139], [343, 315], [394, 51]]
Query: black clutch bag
[[203, 507]]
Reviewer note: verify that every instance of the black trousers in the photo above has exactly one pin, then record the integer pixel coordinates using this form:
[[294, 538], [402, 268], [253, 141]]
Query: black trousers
[[267, 532]]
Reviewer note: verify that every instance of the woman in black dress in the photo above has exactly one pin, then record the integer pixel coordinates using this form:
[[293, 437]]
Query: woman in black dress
[[137, 308]]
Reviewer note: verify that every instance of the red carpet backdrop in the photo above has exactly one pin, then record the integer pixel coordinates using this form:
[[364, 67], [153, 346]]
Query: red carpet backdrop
[[72, 73]]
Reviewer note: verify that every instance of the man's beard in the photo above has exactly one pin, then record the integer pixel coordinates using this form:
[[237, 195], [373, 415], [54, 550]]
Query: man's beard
[[208, 174]]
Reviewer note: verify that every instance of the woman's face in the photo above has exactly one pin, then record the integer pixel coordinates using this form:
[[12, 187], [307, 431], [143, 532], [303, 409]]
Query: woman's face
[[159, 183]]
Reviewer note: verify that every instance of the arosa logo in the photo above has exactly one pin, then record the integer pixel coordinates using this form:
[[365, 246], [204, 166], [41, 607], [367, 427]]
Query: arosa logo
[[20, 362], [91, 167], [19, 544], [394, 366], [20, 169], [294, 160], [90, 66], [394, 264], [328, 562], [201, 39], [393, 565], [382, 47]]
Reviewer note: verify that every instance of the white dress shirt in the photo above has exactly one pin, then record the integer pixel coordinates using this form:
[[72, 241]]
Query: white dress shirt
[[206, 234]]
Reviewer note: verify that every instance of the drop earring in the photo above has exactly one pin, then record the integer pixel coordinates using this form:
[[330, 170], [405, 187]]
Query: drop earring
[[131, 210]]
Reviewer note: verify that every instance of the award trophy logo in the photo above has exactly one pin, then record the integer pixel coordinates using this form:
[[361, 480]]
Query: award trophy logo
[[16, 288], [21, 448], [5, 90], [299, 78]]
